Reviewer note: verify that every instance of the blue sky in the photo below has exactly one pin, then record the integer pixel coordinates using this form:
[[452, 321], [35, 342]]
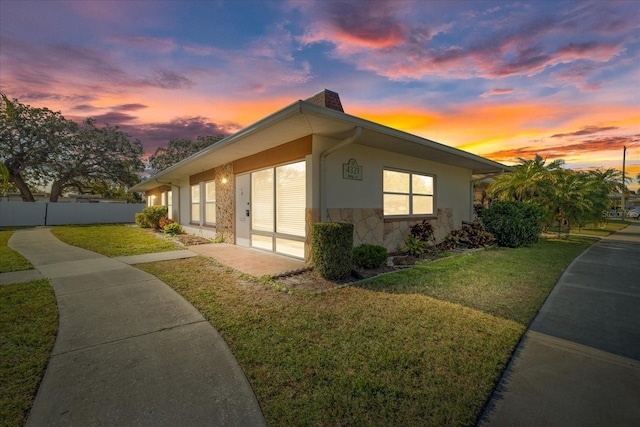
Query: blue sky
[[499, 79]]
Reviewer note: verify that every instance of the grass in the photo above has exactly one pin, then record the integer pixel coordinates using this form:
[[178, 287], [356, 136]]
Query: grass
[[598, 230], [113, 240], [352, 356], [11, 260], [28, 327], [509, 283], [424, 346]]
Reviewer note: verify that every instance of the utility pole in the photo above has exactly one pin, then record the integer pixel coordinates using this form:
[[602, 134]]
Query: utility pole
[[624, 156]]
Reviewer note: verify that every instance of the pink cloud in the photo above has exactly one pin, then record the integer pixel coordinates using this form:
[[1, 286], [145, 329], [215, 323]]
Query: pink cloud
[[497, 92], [383, 40]]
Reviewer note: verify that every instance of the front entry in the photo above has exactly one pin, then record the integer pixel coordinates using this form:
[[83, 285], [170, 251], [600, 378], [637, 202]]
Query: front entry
[[243, 210], [271, 215]]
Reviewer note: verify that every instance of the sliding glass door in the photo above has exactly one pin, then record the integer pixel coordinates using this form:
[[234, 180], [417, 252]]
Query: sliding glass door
[[278, 202]]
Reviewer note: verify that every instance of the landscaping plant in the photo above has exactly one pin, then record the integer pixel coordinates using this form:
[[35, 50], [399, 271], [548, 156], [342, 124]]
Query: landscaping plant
[[514, 224], [369, 256], [332, 244], [173, 228], [150, 216], [471, 236], [421, 236]]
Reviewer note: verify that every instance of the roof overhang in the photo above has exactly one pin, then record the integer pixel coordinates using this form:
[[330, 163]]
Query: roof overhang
[[303, 118]]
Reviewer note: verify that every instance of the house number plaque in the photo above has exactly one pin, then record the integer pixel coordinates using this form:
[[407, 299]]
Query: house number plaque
[[352, 170]]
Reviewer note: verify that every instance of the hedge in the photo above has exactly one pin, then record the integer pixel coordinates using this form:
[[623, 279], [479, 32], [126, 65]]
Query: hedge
[[332, 244], [514, 224]]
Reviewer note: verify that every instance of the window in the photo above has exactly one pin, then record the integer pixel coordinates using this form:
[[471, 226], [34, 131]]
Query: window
[[151, 200], [291, 199], [407, 193], [262, 200], [195, 203], [278, 203], [210, 203]]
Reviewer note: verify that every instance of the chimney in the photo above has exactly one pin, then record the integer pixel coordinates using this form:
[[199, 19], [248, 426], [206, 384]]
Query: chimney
[[327, 99]]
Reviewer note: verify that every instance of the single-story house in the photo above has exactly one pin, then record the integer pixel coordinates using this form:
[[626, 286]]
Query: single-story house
[[264, 186]]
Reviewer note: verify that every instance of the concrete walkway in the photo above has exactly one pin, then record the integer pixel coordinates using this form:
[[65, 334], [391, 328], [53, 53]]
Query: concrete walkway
[[579, 363], [130, 350], [250, 261]]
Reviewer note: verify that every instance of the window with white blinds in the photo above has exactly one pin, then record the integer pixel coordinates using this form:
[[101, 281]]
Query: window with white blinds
[[291, 199], [210, 203], [278, 204], [262, 200], [407, 193], [195, 203], [170, 204]]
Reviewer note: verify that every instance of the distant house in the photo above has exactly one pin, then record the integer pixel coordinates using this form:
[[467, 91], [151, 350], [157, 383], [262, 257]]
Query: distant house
[[264, 186]]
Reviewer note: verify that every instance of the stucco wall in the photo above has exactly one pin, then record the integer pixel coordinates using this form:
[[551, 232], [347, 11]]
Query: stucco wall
[[361, 201]]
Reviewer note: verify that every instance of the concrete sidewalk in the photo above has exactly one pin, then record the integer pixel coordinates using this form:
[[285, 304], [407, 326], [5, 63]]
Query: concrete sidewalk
[[130, 350], [579, 363]]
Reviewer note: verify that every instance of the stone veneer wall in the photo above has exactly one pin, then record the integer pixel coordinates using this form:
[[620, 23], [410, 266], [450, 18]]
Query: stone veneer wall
[[224, 202], [370, 226]]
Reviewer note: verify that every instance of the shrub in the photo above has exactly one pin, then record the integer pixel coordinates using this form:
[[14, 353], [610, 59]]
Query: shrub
[[164, 221], [150, 216], [513, 223], [369, 256], [173, 228], [420, 238], [471, 235], [414, 247], [141, 220], [423, 231], [332, 244]]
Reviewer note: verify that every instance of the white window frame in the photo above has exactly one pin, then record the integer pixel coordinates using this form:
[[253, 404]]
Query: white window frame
[[410, 194], [193, 206], [208, 202], [272, 239], [169, 195]]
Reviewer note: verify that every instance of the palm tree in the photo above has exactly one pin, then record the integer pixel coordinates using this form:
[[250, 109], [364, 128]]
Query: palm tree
[[526, 183]]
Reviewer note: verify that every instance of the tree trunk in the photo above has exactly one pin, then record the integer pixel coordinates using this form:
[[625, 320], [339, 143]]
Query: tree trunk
[[17, 180], [56, 191]]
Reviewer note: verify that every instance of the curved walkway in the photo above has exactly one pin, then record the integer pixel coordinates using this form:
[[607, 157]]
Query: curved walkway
[[579, 362], [130, 350]]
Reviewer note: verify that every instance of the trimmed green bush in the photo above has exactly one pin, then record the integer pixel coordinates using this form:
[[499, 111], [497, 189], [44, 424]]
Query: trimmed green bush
[[369, 256], [332, 244], [150, 216], [141, 220], [173, 229], [514, 224]]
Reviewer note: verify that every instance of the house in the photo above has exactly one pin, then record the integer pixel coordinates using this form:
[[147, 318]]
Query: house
[[264, 186]]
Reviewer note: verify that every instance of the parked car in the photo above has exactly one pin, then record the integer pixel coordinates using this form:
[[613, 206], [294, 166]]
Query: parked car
[[633, 213]]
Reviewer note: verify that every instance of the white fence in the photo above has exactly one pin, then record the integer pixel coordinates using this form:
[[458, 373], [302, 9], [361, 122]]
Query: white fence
[[14, 214]]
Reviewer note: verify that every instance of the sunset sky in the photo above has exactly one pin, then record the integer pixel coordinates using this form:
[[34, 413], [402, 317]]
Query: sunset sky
[[499, 79]]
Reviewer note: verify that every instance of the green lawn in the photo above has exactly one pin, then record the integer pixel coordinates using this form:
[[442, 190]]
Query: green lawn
[[424, 346], [28, 327], [114, 240], [395, 350], [608, 227], [11, 260], [509, 283]]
